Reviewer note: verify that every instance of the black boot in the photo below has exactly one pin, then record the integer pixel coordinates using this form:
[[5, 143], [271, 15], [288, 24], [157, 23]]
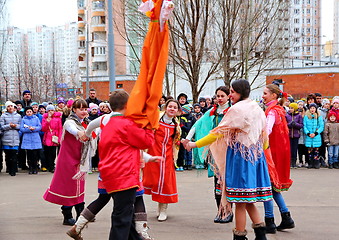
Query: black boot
[[316, 164], [270, 225], [286, 221], [227, 219], [237, 235], [68, 217], [79, 208], [260, 231]]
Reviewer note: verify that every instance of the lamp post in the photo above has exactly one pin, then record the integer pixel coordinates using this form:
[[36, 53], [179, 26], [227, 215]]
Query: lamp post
[[110, 39]]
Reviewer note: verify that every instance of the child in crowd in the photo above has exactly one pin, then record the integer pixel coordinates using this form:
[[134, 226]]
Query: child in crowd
[[93, 111], [302, 150], [335, 108], [313, 126], [104, 108], [31, 141], [119, 150], [182, 99], [52, 127], [331, 138], [10, 126], [184, 161], [197, 113], [19, 108], [294, 123], [203, 104]]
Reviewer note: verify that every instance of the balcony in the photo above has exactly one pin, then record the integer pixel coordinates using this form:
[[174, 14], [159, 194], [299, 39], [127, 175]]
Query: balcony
[[82, 64], [99, 58], [81, 11], [81, 24], [99, 28]]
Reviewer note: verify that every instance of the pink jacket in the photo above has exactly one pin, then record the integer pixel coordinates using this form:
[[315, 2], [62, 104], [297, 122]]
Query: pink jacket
[[54, 127]]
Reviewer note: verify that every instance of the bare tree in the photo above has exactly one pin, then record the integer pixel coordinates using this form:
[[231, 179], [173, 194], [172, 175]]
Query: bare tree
[[190, 31], [253, 35]]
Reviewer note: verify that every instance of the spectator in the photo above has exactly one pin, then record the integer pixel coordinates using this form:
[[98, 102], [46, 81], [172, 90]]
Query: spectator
[[93, 111], [93, 97], [318, 99], [294, 123], [313, 126], [310, 99], [10, 125], [52, 126], [31, 141], [203, 104], [331, 138], [335, 108], [27, 99], [19, 108], [105, 108], [182, 99]]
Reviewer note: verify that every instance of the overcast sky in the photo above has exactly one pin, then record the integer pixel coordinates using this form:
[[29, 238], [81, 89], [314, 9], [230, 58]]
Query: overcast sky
[[29, 13]]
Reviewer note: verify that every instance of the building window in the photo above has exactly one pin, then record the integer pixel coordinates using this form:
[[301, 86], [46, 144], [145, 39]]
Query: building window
[[98, 20], [308, 20], [99, 66], [98, 5], [296, 20], [120, 85], [296, 30], [296, 11]]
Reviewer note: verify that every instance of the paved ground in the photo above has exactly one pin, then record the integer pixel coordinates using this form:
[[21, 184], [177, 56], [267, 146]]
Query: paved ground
[[313, 201]]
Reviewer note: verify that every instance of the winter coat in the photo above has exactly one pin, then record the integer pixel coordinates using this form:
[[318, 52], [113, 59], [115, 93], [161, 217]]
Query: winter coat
[[331, 133], [323, 112], [54, 127], [31, 138], [294, 124], [313, 123], [10, 136]]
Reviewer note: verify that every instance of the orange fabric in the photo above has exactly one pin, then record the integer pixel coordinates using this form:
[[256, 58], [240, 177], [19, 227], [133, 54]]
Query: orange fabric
[[142, 105]]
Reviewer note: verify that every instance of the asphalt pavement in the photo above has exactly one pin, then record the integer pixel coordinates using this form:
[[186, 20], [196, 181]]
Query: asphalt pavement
[[313, 201]]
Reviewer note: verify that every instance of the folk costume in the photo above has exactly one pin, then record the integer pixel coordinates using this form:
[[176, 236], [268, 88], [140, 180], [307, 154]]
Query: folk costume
[[200, 129], [278, 159], [65, 189], [237, 149], [159, 178]]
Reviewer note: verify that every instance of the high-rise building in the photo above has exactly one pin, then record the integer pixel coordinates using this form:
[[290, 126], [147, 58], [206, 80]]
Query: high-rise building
[[305, 29], [336, 28], [93, 47], [39, 59]]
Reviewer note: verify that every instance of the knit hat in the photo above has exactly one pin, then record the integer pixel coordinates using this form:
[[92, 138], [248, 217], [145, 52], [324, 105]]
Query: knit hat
[[34, 103], [61, 100], [196, 105], [45, 104], [299, 101], [335, 101], [42, 106], [294, 106], [182, 95], [186, 109], [50, 107], [26, 91], [9, 103], [93, 106], [324, 101], [70, 102], [312, 105], [28, 108], [202, 99], [290, 99]]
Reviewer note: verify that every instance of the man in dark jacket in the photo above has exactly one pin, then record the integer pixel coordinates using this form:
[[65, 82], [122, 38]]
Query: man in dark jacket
[[27, 99], [93, 97]]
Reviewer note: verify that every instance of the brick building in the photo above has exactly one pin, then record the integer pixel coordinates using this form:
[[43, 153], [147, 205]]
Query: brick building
[[300, 81], [101, 85]]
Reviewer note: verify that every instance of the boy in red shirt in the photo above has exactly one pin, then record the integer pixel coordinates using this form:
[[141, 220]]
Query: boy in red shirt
[[119, 166]]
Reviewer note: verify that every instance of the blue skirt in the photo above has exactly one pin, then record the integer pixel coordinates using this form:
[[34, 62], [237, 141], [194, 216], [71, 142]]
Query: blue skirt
[[246, 181]]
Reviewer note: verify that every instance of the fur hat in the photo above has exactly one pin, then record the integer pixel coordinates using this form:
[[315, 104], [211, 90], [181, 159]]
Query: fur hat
[[50, 107], [294, 106]]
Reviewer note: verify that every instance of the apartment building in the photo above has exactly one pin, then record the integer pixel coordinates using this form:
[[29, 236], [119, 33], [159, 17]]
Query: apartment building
[[305, 29], [336, 28]]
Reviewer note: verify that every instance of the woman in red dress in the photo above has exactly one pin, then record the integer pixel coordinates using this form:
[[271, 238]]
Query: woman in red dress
[[277, 157], [159, 178]]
